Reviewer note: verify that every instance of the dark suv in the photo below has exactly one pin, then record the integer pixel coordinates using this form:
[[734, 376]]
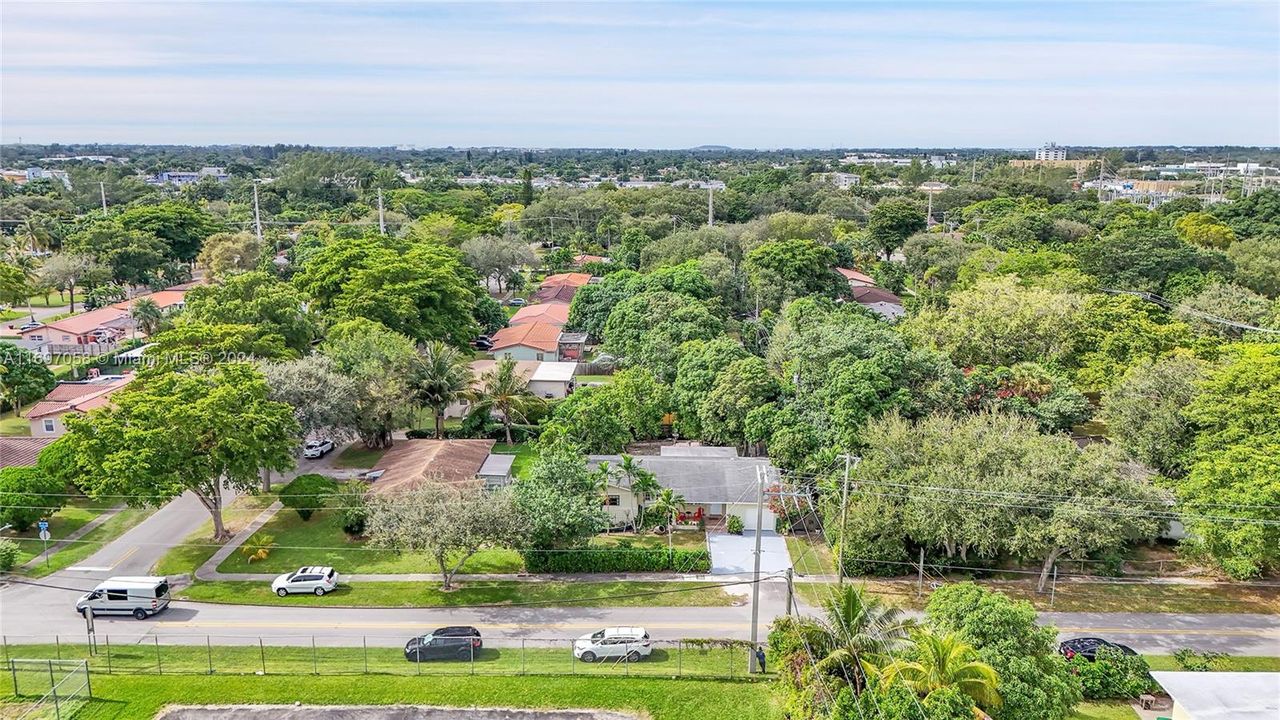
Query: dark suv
[[456, 642], [1088, 647]]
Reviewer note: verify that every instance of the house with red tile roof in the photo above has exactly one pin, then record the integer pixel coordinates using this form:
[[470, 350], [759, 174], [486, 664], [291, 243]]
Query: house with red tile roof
[[21, 451], [550, 313], [527, 341], [46, 416], [555, 294], [856, 278], [98, 331], [572, 279]]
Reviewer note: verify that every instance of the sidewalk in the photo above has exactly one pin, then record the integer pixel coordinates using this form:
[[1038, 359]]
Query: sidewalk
[[75, 535]]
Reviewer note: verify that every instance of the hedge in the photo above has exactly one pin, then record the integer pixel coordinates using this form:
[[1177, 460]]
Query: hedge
[[617, 560]]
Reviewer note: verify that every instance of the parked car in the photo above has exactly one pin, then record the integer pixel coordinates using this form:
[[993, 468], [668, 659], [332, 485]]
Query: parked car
[[139, 596], [517, 302], [317, 448], [317, 580], [626, 643], [28, 326], [1087, 647], [482, 343], [456, 642]]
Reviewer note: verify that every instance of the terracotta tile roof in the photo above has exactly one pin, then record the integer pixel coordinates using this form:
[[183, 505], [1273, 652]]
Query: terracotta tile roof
[[870, 295], [77, 396], [410, 463], [572, 279], [164, 298], [20, 451], [549, 313], [562, 294], [856, 275], [87, 322], [584, 259], [541, 336]]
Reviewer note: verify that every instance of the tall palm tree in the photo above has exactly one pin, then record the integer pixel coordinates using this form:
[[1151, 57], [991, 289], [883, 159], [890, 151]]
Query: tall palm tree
[[944, 661], [441, 376], [146, 315], [667, 505], [505, 391], [856, 632], [642, 482]]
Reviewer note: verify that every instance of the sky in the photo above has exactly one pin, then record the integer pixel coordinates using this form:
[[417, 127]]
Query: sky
[[656, 75]]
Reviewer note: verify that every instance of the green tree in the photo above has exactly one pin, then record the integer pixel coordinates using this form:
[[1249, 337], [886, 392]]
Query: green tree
[[323, 399], [180, 226], [558, 497], [698, 365], [23, 377], [647, 329], [274, 308], [225, 253], [783, 270], [738, 389], [666, 506], [891, 222], [173, 432], [133, 256], [441, 376], [66, 271], [29, 494], [14, 287], [380, 362], [306, 494], [146, 315], [1143, 412], [1205, 230], [1257, 262]]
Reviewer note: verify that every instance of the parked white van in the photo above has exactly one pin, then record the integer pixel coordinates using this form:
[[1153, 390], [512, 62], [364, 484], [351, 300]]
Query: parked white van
[[137, 596]]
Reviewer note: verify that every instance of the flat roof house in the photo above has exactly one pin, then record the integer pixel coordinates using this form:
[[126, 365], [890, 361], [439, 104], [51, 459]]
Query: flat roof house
[[1222, 695], [46, 416], [547, 380]]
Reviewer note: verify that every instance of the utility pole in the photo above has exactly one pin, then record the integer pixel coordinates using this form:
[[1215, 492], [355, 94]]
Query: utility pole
[[850, 462], [973, 171], [755, 586], [711, 211], [102, 191], [791, 589], [257, 216], [920, 575], [382, 218]]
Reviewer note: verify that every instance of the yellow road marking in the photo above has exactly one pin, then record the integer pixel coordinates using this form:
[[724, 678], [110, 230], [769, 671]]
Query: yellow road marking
[[403, 625], [124, 557]]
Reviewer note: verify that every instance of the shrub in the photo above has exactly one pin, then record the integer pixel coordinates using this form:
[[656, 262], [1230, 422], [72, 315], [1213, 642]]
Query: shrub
[[735, 525], [1112, 674], [307, 493], [420, 434], [617, 560], [1189, 659], [351, 497], [8, 554]]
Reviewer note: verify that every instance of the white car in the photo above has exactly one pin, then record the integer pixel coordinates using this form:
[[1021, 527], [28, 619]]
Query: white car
[[317, 448], [627, 643], [316, 580]]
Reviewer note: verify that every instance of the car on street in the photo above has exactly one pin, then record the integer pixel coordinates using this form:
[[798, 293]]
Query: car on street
[[517, 302], [314, 580], [455, 642], [317, 448], [1087, 647], [28, 326], [618, 643]]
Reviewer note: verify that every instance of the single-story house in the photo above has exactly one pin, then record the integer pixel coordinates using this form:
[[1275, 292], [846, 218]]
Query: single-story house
[[21, 451], [527, 341], [856, 278], [715, 482], [46, 416], [580, 260], [99, 331], [168, 300], [409, 463], [556, 294], [879, 301], [1222, 695], [549, 313], [547, 380], [572, 279]]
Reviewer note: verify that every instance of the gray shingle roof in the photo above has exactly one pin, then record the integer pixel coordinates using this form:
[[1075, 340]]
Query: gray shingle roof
[[699, 479]]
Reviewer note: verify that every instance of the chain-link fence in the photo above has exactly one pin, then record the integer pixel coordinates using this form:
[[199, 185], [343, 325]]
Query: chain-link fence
[[330, 654], [49, 689]]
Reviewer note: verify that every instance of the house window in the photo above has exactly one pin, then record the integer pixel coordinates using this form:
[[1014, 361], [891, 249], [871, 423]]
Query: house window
[[65, 338], [613, 500], [540, 356], [48, 424]]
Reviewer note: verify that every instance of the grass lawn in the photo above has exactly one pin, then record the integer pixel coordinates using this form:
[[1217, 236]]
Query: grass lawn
[[489, 592], [525, 455], [11, 425], [7, 315], [92, 541], [357, 456], [198, 547], [680, 539], [61, 524], [54, 299], [1104, 710], [810, 555], [321, 541], [1091, 597], [137, 697], [580, 379], [1230, 663]]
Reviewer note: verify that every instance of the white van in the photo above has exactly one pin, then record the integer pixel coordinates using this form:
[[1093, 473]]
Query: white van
[[137, 596]]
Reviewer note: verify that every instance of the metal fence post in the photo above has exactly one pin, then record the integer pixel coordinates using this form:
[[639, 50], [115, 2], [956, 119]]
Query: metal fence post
[[58, 644], [472, 646], [731, 656], [13, 669], [573, 668], [263, 653], [364, 642], [6, 648], [108, 638], [53, 688], [159, 665], [522, 665], [680, 658], [208, 645], [315, 665], [88, 686]]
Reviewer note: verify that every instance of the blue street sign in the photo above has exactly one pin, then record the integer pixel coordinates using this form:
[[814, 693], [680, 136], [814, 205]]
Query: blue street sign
[[44, 524]]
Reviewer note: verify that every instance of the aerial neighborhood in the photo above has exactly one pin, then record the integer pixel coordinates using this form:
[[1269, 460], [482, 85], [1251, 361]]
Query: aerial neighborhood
[[904, 413]]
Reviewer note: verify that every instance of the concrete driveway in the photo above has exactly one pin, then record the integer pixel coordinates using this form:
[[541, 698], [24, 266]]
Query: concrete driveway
[[735, 554]]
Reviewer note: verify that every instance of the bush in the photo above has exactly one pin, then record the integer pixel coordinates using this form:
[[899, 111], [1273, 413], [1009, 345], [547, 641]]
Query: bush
[[1112, 674], [351, 497], [735, 525], [1189, 659], [307, 493], [617, 560], [28, 494], [8, 554]]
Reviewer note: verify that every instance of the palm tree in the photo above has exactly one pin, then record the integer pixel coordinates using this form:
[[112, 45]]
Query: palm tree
[[441, 376], [857, 631], [667, 506], [506, 391], [146, 315], [944, 661], [642, 482]]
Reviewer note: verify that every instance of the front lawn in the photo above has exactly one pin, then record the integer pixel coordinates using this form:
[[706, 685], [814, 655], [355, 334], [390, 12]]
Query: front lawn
[[13, 426], [321, 541], [583, 379], [199, 546], [1104, 710], [118, 697], [1230, 663], [489, 592], [65, 521], [810, 555], [681, 540], [358, 457]]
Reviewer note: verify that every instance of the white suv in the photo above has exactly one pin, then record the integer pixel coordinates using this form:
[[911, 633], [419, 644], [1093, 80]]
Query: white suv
[[628, 643], [318, 580]]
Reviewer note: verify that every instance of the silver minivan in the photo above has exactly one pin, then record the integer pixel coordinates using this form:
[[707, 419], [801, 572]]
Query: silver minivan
[[139, 596]]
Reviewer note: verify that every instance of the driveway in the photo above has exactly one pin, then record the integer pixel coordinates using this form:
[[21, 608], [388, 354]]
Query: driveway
[[735, 554]]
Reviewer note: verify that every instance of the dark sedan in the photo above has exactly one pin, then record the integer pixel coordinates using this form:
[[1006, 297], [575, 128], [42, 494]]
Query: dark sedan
[[1087, 648]]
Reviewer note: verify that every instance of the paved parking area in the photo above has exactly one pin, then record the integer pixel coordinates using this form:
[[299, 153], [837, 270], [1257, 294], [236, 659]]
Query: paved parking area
[[735, 554]]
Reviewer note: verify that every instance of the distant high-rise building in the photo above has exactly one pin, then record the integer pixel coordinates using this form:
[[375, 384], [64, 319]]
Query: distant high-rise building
[[1051, 151]]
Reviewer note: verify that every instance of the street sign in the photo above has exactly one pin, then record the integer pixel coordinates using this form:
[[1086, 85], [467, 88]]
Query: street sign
[[43, 524], [44, 535]]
